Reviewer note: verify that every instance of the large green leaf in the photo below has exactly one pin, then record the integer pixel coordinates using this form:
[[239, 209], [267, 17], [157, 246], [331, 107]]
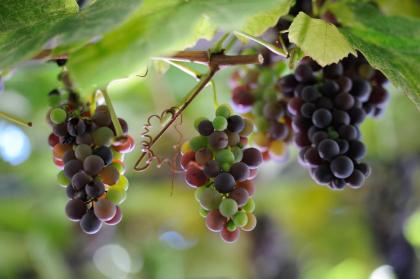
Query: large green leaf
[[36, 24], [161, 27], [319, 39], [390, 44]]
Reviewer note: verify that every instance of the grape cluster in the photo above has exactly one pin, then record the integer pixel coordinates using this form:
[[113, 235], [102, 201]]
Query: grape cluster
[[328, 105], [90, 159], [256, 97], [217, 163]]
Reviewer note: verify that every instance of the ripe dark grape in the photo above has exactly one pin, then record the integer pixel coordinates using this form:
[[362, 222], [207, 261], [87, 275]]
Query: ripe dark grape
[[303, 73], [357, 150], [205, 128], [240, 195], [95, 189], [333, 71], [212, 168], [323, 175], [75, 209], [93, 164], [218, 140], [252, 157], [239, 171], [80, 179], [104, 209], [105, 153], [356, 179], [322, 118], [224, 183], [89, 223], [72, 167], [195, 177], [342, 167], [328, 149], [235, 124]]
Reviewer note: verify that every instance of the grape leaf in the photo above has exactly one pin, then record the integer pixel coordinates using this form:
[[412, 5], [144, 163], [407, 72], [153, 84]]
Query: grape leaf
[[159, 28], [319, 39], [390, 44], [259, 23], [36, 24]]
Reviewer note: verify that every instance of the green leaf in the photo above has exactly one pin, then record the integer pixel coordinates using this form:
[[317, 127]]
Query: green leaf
[[319, 39], [60, 20], [159, 28], [24, 13], [259, 23], [390, 44]]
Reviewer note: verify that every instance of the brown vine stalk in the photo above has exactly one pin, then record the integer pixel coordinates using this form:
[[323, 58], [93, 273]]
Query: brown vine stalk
[[214, 61]]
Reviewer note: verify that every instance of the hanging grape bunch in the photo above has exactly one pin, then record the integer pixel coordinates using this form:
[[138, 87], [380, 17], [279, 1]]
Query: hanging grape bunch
[[90, 158], [328, 106], [219, 165], [255, 95]]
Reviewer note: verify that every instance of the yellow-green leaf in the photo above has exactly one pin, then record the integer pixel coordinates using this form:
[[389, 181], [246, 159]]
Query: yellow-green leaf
[[319, 39]]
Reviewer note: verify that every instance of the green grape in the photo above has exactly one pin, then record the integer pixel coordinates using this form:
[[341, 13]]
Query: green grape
[[117, 155], [261, 123], [82, 151], [231, 226], [122, 183], [258, 108], [228, 207], [270, 95], [198, 142], [249, 206], [266, 76], [199, 192], [62, 179], [58, 116], [220, 123], [103, 136], [198, 121], [203, 213], [226, 167], [209, 198], [54, 100], [225, 156], [116, 195], [237, 153], [224, 111], [240, 219], [119, 167]]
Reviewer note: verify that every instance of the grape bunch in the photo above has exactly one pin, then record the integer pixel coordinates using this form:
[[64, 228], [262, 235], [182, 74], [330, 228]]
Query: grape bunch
[[219, 165], [327, 107], [256, 97], [90, 159]]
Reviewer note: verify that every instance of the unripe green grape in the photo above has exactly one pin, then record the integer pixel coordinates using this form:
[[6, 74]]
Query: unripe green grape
[[269, 95], [120, 168], [224, 111], [266, 76], [228, 207], [103, 136], [209, 198], [199, 192], [198, 121], [261, 123], [258, 107], [116, 195], [198, 142], [249, 206], [54, 100], [117, 155], [237, 153], [122, 183], [225, 156], [58, 115], [203, 213], [62, 179], [231, 226], [226, 167], [240, 219], [82, 151], [220, 123]]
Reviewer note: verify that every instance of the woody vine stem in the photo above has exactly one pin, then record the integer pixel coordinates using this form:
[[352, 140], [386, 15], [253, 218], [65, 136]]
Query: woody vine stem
[[214, 61]]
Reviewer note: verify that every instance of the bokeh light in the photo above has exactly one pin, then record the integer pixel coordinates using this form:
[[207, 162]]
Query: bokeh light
[[15, 146]]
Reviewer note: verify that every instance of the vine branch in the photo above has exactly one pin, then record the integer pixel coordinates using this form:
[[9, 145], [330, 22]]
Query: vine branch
[[214, 62], [15, 119]]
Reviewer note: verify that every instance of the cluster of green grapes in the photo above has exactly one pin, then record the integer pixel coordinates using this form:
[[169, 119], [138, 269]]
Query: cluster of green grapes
[[256, 96], [220, 166], [90, 157]]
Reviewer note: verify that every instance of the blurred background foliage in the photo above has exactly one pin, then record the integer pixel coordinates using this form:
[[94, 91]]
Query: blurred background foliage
[[304, 231]]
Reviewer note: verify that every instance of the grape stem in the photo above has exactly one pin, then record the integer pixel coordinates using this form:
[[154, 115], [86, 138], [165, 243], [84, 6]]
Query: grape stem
[[15, 119], [214, 62], [114, 118]]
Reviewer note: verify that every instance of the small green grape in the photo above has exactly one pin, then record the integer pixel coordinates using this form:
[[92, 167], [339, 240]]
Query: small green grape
[[249, 206], [228, 207], [231, 226], [58, 116], [224, 111], [198, 142], [116, 195], [262, 124], [62, 179], [225, 156], [209, 198], [122, 183], [258, 108], [240, 219], [220, 123], [117, 155], [103, 136], [226, 167], [203, 213], [199, 192], [237, 153]]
